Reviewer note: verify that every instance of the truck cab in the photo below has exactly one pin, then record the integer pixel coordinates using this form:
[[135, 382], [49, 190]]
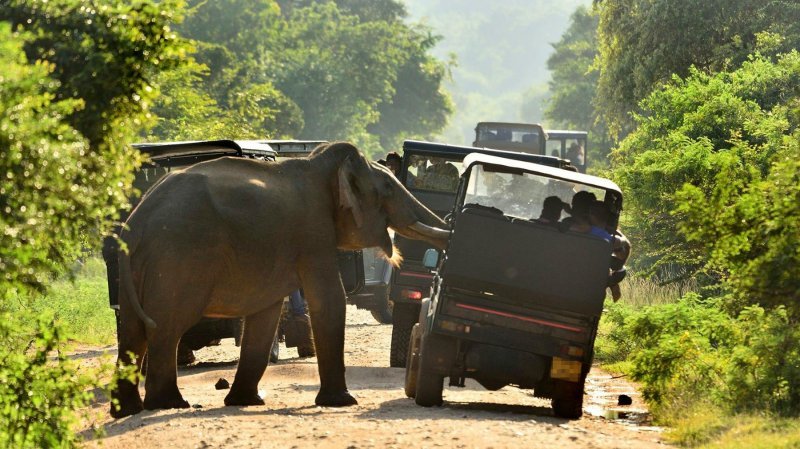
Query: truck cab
[[569, 144], [430, 171], [522, 137], [514, 300]]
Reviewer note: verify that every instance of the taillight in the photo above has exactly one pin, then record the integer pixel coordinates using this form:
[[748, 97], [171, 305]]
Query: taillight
[[412, 294]]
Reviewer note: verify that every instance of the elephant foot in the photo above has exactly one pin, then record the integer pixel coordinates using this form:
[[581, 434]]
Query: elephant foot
[[156, 404], [244, 400], [335, 399], [126, 408], [125, 400]]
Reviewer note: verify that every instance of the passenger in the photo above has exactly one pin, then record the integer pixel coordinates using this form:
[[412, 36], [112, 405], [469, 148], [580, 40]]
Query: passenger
[[393, 162], [620, 251], [620, 246], [598, 219], [551, 211], [440, 175], [578, 220], [576, 154]]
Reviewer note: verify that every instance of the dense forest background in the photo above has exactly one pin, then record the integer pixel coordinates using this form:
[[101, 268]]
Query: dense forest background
[[500, 52], [693, 108]]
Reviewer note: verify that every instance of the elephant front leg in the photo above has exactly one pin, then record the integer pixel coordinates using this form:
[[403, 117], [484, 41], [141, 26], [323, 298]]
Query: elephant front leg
[[259, 332], [326, 301]]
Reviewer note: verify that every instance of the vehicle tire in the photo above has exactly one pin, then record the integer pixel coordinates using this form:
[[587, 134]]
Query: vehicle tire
[[412, 365], [403, 319], [382, 310], [429, 383], [568, 400]]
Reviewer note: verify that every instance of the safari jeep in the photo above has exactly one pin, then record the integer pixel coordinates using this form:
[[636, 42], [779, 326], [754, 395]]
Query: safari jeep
[[410, 282], [513, 301]]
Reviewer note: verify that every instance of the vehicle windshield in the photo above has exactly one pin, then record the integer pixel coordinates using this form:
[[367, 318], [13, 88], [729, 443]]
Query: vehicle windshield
[[435, 173], [519, 194], [508, 133]]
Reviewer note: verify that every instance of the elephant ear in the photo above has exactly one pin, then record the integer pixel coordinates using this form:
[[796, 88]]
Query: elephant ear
[[347, 196]]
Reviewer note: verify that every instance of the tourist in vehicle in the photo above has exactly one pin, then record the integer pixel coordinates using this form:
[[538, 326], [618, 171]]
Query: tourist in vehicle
[[551, 211], [578, 220], [393, 162], [598, 219], [440, 175], [576, 154]]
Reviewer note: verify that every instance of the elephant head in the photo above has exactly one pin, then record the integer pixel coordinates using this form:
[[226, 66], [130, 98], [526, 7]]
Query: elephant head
[[370, 200]]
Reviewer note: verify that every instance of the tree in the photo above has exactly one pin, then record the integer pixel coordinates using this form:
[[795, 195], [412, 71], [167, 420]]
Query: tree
[[419, 107], [704, 149], [235, 41], [643, 43], [573, 83], [349, 69], [68, 166]]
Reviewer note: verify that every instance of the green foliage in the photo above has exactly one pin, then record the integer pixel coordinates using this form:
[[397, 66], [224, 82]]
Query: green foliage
[[640, 48], [78, 303], [348, 70], [40, 386], [69, 106], [75, 87], [751, 230], [43, 187], [573, 83], [693, 351], [717, 133]]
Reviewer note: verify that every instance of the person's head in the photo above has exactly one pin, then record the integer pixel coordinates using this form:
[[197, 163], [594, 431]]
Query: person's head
[[598, 214], [581, 203], [551, 209], [393, 162]]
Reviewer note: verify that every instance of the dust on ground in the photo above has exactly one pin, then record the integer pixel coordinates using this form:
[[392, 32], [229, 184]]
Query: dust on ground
[[471, 417]]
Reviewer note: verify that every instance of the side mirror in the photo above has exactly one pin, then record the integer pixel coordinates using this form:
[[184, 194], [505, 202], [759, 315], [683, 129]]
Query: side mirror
[[431, 258]]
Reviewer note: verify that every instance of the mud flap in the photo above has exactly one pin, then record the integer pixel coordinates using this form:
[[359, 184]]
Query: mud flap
[[297, 331]]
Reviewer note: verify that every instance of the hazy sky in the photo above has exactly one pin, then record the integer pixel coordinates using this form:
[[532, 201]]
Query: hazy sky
[[501, 48]]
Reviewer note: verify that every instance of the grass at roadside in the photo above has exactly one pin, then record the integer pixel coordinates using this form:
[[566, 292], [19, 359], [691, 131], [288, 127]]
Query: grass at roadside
[[708, 428], [80, 306]]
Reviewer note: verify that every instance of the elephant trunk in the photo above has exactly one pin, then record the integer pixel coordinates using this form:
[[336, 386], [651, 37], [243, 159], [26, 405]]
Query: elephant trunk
[[425, 226]]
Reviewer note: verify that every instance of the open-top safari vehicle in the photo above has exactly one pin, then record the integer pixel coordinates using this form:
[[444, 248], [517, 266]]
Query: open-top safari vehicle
[[514, 301]]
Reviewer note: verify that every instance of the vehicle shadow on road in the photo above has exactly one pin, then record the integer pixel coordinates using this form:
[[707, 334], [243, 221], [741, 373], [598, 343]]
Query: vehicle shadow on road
[[397, 409]]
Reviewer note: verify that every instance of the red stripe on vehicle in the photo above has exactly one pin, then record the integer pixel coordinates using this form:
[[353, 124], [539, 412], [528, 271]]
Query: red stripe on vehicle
[[520, 317], [417, 275]]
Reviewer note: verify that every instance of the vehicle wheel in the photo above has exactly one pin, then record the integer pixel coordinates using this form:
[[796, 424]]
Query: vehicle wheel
[[403, 319], [568, 402], [429, 384], [412, 365], [382, 310]]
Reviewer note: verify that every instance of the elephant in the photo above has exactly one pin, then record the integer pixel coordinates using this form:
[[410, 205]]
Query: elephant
[[231, 237]]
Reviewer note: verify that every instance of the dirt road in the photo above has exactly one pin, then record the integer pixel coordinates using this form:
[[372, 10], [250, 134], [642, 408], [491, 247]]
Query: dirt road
[[470, 417]]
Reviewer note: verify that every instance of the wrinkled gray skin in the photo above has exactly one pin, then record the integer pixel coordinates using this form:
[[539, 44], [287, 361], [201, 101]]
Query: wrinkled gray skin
[[231, 238]]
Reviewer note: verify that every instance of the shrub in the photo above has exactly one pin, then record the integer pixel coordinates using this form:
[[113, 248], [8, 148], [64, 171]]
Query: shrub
[[40, 387], [694, 352]]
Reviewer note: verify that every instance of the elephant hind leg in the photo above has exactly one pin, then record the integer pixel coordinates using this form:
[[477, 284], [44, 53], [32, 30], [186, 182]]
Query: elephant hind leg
[[259, 333], [161, 383], [125, 399]]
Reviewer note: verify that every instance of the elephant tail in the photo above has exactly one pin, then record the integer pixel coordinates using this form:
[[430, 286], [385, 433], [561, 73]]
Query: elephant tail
[[126, 282]]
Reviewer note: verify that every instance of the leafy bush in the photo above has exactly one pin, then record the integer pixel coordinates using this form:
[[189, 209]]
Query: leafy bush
[[39, 392], [693, 352]]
